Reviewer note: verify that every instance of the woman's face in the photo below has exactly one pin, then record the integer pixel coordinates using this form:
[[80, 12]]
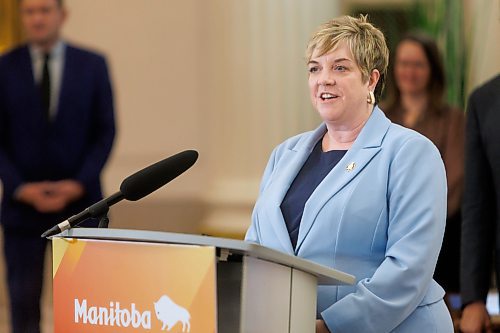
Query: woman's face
[[411, 70], [336, 87]]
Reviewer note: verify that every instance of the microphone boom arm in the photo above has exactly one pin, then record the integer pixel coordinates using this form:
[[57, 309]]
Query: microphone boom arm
[[98, 209]]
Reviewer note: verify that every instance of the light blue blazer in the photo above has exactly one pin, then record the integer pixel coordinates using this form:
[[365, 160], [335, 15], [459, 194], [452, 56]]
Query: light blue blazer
[[379, 215]]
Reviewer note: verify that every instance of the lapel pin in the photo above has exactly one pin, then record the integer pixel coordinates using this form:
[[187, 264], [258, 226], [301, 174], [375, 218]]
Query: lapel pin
[[350, 166]]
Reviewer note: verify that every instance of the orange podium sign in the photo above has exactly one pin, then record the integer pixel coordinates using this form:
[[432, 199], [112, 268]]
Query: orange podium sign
[[120, 286]]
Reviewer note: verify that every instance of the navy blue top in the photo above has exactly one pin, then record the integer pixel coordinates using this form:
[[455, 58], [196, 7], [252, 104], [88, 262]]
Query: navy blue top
[[314, 170]]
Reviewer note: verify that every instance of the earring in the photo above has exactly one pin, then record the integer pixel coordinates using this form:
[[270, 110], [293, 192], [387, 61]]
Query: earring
[[371, 98]]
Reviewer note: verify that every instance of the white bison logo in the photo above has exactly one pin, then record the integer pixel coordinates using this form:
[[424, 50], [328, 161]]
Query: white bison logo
[[170, 313]]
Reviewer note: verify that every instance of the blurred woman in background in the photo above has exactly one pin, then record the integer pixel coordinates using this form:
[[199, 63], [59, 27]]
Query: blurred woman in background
[[416, 101]]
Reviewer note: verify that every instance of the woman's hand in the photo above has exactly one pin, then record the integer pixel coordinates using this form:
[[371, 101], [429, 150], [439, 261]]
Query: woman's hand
[[475, 319], [321, 327]]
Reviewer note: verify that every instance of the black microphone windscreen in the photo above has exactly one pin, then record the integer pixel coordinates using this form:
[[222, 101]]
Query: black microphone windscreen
[[151, 178]]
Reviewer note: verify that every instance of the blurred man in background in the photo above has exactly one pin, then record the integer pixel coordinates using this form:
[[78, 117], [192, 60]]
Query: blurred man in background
[[56, 133], [481, 206]]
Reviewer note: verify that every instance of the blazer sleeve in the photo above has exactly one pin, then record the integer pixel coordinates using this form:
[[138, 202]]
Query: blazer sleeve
[[103, 127], [478, 210], [416, 201]]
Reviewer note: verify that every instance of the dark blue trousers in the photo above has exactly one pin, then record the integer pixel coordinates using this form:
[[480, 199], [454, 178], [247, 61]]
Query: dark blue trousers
[[24, 257]]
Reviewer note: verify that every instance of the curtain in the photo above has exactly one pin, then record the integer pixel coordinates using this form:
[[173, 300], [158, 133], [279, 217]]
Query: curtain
[[10, 27]]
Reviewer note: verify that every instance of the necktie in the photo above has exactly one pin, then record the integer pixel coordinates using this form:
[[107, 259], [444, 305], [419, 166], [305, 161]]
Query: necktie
[[45, 86]]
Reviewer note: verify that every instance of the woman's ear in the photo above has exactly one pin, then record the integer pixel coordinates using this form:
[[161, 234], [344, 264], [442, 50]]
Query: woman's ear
[[373, 79]]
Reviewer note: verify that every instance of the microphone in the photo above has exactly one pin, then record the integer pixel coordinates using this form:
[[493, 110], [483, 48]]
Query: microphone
[[133, 188], [153, 177]]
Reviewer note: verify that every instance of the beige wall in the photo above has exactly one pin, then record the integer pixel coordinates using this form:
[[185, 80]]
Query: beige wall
[[224, 77], [152, 51]]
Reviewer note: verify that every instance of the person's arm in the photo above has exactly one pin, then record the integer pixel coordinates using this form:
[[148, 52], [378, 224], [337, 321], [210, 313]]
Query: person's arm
[[416, 200], [478, 225], [103, 127], [10, 176]]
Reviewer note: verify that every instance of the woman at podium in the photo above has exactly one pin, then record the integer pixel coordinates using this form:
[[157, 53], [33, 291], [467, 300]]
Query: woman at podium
[[358, 193]]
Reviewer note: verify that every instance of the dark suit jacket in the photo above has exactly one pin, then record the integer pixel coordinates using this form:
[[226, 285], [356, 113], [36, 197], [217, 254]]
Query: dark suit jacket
[[75, 145], [481, 206]]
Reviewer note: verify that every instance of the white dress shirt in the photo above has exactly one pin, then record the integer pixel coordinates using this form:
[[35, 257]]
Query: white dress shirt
[[56, 65]]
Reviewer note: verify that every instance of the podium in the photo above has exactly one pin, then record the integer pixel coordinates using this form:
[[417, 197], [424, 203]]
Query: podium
[[115, 280]]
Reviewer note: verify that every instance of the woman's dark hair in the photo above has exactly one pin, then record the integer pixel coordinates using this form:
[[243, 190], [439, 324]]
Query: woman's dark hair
[[437, 81]]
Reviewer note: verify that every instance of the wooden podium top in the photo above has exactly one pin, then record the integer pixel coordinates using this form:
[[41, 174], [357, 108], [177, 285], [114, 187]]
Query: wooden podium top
[[325, 275]]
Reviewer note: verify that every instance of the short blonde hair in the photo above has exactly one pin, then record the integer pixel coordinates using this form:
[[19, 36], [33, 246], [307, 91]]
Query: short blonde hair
[[366, 43]]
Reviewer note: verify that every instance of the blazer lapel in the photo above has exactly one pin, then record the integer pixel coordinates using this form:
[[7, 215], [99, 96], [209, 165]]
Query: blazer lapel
[[291, 162], [366, 146], [31, 106], [26, 65]]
